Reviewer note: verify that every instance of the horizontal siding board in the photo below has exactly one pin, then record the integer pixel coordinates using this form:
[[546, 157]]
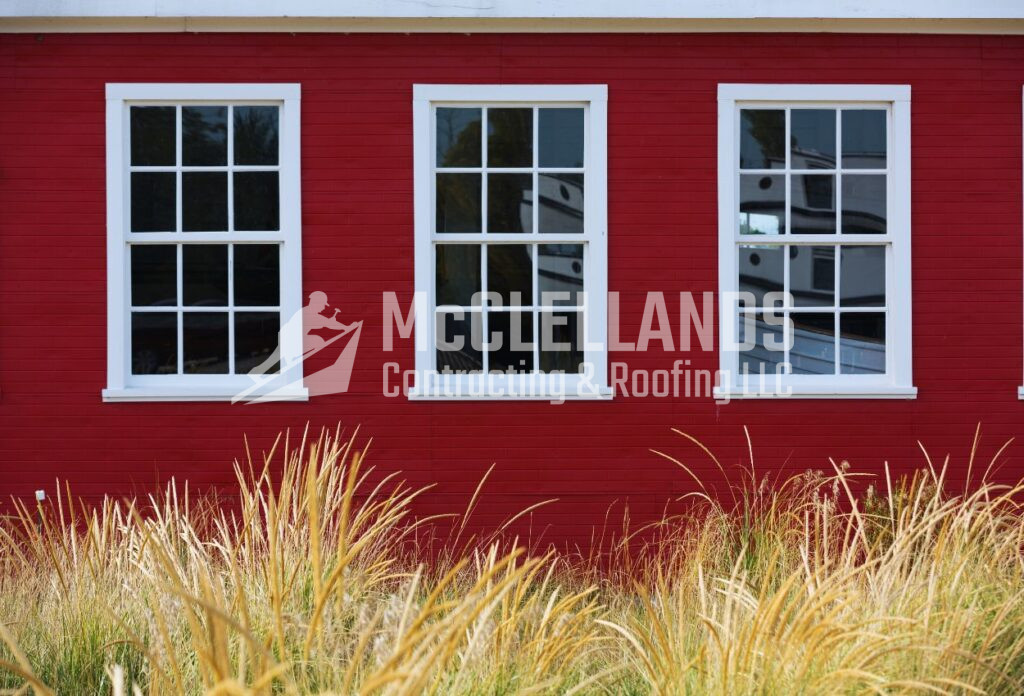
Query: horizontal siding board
[[357, 236]]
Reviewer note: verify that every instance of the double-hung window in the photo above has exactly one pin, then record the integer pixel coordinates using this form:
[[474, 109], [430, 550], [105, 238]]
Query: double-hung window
[[511, 245], [814, 240], [203, 237]]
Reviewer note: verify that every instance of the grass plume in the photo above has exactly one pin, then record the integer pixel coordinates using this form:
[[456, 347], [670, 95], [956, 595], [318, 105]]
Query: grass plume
[[318, 581]]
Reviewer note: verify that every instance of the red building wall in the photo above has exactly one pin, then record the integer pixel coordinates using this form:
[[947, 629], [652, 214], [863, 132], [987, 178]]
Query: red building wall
[[357, 189]]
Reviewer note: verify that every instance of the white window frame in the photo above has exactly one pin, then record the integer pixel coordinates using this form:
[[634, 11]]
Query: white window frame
[[121, 384], [897, 382], [430, 385]]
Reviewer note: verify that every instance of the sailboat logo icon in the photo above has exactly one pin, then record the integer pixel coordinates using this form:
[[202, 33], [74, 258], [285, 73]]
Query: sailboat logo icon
[[276, 380]]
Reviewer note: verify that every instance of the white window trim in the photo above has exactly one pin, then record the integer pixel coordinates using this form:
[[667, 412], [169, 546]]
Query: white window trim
[[898, 380], [121, 384], [431, 386]]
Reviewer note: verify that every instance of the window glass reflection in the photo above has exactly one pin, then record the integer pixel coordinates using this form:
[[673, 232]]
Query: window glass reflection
[[153, 202], [561, 137], [154, 343], [510, 137], [812, 275], [560, 274], [864, 139], [862, 342], [864, 204], [457, 274], [561, 203], [863, 276], [762, 139], [204, 274], [257, 275], [458, 203], [561, 342], [256, 134], [256, 339], [510, 203], [204, 201], [765, 336], [154, 270], [762, 204], [511, 341], [458, 137], [813, 203], [510, 273], [812, 138], [205, 343], [257, 201], [814, 345], [152, 136], [204, 135], [459, 342], [761, 269]]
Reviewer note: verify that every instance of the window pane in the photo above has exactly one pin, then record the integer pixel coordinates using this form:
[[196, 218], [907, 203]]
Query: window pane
[[762, 139], [458, 203], [204, 201], [153, 202], [864, 210], [761, 269], [458, 137], [204, 275], [457, 274], [256, 134], [812, 138], [257, 275], [814, 204], [154, 343], [510, 203], [561, 203], [154, 275], [204, 135], [762, 204], [766, 338], [459, 342], [152, 135], [814, 348], [511, 338], [862, 343], [561, 137], [256, 339], [205, 342], [560, 274], [561, 342], [257, 201], [812, 275], [863, 276], [863, 139], [510, 137], [510, 273]]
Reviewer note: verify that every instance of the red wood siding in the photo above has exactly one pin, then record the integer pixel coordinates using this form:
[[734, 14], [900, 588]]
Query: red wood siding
[[357, 193]]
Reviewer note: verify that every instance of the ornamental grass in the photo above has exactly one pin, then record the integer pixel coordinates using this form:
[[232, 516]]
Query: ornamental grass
[[319, 579]]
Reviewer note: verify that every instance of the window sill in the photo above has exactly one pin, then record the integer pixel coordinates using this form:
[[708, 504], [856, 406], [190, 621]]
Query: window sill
[[141, 394], [805, 392]]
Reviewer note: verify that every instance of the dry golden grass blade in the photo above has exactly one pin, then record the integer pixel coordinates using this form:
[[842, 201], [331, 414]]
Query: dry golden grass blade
[[317, 582]]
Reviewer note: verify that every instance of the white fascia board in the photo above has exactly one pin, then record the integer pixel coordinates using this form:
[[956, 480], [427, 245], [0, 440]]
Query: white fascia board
[[521, 9]]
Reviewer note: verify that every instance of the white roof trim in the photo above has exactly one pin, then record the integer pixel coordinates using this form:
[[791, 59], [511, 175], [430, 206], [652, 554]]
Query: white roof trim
[[882, 16], [53, 25], [522, 9]]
